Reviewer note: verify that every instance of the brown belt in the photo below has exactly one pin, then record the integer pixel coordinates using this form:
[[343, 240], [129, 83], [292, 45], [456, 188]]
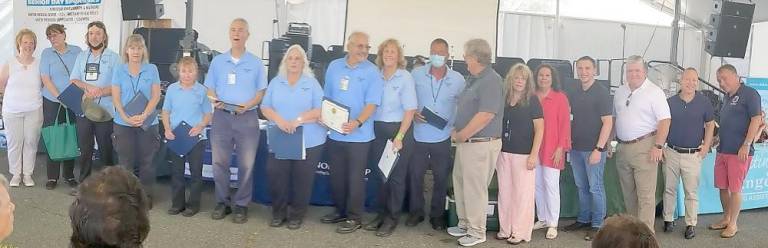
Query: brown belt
[[483, 139], [638, 139]]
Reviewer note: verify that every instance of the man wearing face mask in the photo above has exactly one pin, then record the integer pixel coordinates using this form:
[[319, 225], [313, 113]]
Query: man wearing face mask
[[437, 88]]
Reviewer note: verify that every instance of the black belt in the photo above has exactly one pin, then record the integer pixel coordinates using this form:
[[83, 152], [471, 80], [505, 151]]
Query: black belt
[[683, 149], [482, 139], [235, 112]]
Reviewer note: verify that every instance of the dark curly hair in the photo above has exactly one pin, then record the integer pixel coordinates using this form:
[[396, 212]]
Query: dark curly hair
[[111, 210]]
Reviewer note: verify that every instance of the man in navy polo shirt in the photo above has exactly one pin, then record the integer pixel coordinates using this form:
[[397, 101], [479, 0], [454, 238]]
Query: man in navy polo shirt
[[739, 122], [692, 121]]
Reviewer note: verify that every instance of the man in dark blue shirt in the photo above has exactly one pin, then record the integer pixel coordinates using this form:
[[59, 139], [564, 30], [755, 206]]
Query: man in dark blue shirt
[[739, 122], [692, 121]]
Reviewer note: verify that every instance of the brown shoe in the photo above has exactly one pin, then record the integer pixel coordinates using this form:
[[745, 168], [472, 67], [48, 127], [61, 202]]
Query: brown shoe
[[718, 226], [729, 233]]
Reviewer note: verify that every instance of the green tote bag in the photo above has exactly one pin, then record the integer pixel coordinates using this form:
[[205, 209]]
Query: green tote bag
[[61, 139]]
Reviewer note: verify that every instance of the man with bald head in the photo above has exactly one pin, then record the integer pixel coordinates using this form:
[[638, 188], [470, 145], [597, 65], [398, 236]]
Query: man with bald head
[[236, 81], [739, 123], [689, 141], [355, 82]]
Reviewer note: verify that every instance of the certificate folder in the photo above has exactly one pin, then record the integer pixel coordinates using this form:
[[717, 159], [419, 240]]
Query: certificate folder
[[285, 145], [137, 105], [433, 119], [72, 98], [183, 143], [334, 114], [388, 159]]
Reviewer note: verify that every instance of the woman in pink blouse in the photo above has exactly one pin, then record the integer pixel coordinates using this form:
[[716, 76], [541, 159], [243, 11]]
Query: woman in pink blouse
[[557, 140]]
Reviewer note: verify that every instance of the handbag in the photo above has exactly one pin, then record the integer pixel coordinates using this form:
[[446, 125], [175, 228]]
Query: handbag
[[95, 112], [61, 139]]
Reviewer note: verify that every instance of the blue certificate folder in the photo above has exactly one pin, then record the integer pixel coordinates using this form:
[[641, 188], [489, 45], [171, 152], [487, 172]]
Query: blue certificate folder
[[433, 119], [285, 145], [72, 98], [183, 143], [136, 105]]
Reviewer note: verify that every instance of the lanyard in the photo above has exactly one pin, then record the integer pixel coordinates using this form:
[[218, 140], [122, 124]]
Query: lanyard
[[135, 85], [89, 57], [62, 61], [432, 86]]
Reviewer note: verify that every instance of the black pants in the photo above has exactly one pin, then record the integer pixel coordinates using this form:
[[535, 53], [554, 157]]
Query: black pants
[[348, 161], [178, 190], [438, 155], [54, 168], [392, 192], [290, 184], [86, 130], [136, 148]]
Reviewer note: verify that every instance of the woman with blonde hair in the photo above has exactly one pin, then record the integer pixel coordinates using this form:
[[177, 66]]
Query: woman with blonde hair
[[135, 94], [392, 123], [293, 101], [186, 102], [22, 108], [523, 128]]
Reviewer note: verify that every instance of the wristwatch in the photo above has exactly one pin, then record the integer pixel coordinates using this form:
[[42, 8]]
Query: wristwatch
[[360, 123], [600, 149], [657, 146]]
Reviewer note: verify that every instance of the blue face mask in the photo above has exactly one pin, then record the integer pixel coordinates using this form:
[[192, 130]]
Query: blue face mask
[[437, 60]]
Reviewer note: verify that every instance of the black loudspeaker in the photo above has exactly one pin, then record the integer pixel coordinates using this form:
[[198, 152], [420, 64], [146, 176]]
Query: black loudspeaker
[[730, 24], [141, 10], [163, 45]]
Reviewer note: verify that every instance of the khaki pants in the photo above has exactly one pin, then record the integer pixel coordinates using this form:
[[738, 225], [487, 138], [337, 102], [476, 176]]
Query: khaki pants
[[637, 176], [472, 173], [689, 167]]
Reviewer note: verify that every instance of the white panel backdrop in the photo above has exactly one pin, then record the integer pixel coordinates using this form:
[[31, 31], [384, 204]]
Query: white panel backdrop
[[417, 23]]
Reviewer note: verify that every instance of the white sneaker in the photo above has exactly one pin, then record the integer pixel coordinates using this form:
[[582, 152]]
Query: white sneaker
[[28, 181], [551, 233], [15, 181], [470, 240], [539, 225], [457, 231]]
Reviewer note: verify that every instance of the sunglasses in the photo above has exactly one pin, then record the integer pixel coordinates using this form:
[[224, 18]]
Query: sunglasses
[[626, 104]]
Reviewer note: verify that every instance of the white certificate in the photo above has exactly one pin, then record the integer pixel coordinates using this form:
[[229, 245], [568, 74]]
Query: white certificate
[[388, 159], [334, 115]]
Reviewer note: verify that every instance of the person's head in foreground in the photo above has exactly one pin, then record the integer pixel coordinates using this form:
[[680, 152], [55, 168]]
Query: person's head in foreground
[[111, 210], [6, 209], [624, 231]]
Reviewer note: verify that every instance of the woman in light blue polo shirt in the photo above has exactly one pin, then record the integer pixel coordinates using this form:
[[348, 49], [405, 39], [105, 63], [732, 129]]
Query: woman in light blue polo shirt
[[135, 94], [392, 122], [92, 73], [292, 100], [55, 64], [186, 101]]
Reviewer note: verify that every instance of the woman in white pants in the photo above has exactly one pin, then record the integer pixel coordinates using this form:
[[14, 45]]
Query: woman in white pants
[[557, 141], [22, 108]]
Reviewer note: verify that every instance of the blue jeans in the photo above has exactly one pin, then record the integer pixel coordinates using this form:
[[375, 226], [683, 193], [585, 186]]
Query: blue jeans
[[589, 181]]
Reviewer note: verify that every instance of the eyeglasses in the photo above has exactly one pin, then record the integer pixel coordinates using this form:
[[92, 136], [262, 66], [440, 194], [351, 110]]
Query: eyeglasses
[[628, 98], [363, 46]]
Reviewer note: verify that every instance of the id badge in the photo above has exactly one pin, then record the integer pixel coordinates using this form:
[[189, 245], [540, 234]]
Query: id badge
[[91, 72], [344, 84], [231, 78]]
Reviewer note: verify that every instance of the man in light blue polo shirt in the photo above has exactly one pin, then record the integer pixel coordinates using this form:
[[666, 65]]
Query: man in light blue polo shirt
[[93, 73], [236, 81], [55, 64], [437, 89], [355, 82]]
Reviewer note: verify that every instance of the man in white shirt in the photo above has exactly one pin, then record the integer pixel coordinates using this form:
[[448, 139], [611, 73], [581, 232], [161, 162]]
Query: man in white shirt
[[642, 124]]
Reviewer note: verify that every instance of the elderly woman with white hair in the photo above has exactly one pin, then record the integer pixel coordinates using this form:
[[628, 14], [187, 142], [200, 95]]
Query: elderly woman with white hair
[[293, 100]]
